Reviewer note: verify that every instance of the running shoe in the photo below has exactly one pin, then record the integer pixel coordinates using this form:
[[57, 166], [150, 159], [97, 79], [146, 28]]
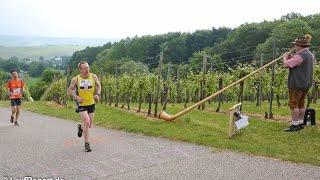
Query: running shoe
[[87, 147], [79, 130]]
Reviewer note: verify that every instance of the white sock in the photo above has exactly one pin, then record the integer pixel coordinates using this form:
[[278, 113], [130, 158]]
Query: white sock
[[295, 123], [300, 121]]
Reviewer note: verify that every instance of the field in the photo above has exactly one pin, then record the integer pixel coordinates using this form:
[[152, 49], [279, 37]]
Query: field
[[34, 52]]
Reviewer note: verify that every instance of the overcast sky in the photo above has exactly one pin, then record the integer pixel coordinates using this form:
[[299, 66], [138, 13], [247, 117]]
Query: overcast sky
[[127, 18]]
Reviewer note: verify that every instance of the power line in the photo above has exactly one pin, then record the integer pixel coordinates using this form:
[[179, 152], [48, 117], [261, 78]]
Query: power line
[[244, 49]]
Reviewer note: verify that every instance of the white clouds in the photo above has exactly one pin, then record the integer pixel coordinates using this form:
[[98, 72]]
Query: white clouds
[[122, 18]]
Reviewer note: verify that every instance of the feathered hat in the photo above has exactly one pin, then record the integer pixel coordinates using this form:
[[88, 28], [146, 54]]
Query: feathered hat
[[303, 41]]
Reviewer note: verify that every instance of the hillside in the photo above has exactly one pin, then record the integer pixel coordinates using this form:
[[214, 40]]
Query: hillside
[[8, 41]]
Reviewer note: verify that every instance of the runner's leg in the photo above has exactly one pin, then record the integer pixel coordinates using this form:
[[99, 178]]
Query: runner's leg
[[13, 110], [91, 116], [85, 119], [17, 113]]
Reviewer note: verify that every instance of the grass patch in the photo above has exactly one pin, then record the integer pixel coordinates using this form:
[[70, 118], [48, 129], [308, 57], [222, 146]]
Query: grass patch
[[261, 137], [32, 81]]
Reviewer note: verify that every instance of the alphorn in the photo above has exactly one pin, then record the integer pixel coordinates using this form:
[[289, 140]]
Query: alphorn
[[163, 115]]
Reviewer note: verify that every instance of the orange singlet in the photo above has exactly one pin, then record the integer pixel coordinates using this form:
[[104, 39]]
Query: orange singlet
[[16, 87]]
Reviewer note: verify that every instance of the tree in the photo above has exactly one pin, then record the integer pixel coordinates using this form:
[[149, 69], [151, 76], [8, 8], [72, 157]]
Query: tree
[[49, 75], [89, 54], [175, 50], [241, 43], [283, 34], [201, 39], [291, 16], [35, 69], [11, 63], [314, 23], [132, 67]]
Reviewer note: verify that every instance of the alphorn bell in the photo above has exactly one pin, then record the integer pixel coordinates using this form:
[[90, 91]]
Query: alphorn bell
[[165, 116]]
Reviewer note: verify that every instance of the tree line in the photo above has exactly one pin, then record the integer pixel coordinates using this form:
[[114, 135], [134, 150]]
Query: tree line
[[226, 47]]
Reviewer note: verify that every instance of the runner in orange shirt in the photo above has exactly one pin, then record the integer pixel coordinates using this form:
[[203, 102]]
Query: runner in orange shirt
[[15, 89]]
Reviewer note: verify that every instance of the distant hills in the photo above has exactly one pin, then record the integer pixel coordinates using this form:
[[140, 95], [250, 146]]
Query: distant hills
[[9, 41]]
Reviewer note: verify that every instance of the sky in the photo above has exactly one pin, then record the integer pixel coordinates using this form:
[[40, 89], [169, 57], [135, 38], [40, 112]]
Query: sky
[[127, 18]]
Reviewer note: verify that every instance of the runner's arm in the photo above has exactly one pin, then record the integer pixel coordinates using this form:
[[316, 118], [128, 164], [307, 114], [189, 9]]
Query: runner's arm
[[22, 87], [72, 88], [9, 88], [98, 85]]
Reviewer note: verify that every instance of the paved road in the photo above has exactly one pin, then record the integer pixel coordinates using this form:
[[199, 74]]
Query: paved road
[[47, 147]]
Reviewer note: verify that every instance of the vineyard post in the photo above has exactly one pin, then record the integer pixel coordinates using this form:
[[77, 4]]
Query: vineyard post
[[166, 88], [103, 93], [220, 97], [272, 79], [64, 103], [158, 86], [117, 86], [259, 96], [204, 69], [260, 93], [168, 71], [178, 86]]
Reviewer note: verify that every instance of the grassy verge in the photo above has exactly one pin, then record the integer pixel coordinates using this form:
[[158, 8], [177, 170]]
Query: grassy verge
[[208, 128]]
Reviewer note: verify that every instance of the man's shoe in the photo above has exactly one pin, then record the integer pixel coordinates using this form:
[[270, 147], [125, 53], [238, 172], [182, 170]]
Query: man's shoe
[[87, 147], [79, 130], [11, 119], [16, 123], [293, 128], [301, 126]]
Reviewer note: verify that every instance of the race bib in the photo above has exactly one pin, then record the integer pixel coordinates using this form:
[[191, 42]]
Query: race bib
[[86, 84], [16, 90]]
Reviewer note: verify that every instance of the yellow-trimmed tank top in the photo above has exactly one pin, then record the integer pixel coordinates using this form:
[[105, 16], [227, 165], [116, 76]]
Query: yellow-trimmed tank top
[[86, 90]]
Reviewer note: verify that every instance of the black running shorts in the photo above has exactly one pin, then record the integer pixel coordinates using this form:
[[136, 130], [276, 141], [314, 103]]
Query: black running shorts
[[16, 102], [89, 108]]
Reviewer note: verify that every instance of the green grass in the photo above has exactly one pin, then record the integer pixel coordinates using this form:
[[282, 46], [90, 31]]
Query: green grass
[[261, 137], [32, 81]]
